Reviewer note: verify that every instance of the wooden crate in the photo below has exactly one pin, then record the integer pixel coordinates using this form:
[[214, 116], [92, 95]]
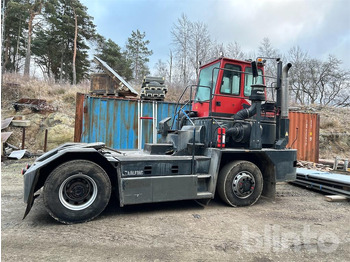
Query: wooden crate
[[103, 84]]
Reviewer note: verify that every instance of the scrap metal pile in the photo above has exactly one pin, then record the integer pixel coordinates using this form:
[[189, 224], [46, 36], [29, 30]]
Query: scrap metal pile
[[8, 150], [36, 105], [331, 183], [153, 88]]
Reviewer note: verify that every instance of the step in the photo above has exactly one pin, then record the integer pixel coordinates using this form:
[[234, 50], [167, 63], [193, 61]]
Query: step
[[197, 147], [158, 149], [202, 158], [202, 165], [203, 176], [196, 144], [204, 195]]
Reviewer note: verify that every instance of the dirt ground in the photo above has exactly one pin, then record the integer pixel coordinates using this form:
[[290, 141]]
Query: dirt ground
[[299, 225]]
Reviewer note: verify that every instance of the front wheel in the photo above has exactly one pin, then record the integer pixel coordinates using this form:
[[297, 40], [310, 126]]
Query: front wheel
[[240, 183], [76, 191]]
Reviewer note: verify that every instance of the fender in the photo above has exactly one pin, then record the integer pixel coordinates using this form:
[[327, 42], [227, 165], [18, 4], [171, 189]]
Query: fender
[[36, 175]]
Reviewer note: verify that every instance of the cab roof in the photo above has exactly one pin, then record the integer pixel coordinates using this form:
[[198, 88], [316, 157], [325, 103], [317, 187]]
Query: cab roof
[[230, 60]]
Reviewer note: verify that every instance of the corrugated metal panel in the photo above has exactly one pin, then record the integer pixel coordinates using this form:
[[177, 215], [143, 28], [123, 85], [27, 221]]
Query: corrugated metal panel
[[112, 121], [304, 135], [115, 121]]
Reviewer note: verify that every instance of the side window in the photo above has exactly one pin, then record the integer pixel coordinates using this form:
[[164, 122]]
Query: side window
[[231, 80], [248, 80]]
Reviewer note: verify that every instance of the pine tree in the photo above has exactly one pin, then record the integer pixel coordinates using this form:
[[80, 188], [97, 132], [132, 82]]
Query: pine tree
[[138, 53], [60, 46], [15, 17], [111, 53]]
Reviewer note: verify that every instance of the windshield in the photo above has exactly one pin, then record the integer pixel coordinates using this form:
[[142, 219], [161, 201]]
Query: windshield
[[206, 81], [248, 81]]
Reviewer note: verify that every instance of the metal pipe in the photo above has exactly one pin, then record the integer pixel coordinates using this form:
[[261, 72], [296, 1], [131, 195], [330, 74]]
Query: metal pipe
[[23, 136], [141, 124], [346, 163], [156, 123], [154, 129], [285, 93], [138, 125], [45, 140]]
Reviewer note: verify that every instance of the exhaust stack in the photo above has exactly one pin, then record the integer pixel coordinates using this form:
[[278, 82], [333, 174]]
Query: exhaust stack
[[282, 121], [284, 90]]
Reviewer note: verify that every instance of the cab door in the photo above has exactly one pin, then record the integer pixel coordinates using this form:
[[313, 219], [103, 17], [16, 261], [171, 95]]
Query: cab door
[[228, 99]]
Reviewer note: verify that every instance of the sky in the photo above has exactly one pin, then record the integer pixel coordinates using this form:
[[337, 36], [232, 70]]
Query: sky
[[319, 27]]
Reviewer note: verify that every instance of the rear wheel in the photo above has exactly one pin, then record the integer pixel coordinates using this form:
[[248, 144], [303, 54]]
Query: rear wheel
[[240, 183], [76, 191]]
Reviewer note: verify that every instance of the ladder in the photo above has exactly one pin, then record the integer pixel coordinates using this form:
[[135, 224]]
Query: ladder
[[141, 118]]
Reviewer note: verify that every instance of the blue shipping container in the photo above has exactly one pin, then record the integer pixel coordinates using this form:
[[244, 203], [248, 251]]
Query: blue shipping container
[[120, 123]]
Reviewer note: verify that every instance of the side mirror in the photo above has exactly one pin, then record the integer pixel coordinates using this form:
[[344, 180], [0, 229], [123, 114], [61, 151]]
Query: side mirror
[[255, 69]]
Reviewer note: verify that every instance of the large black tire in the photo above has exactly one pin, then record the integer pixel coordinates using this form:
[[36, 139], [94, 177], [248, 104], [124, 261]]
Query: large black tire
[[240, 183], [76, 191]]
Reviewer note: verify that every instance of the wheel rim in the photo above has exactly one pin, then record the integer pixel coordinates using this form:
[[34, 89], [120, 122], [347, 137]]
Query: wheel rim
[[78, 192], [243, 184]]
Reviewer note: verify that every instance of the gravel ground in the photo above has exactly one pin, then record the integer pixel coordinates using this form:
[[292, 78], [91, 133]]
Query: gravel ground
[[298, 226]]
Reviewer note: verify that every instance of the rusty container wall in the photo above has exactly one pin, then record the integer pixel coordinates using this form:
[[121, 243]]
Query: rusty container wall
[[304, 135], [111, 121], [114, 121], [79, 111]]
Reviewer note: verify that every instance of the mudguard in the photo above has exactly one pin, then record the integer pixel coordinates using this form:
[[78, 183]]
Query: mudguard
[[32, 175]]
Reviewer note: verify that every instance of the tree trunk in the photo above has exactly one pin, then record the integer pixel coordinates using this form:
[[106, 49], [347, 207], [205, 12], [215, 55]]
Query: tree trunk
[[48, 70], [32, 15], [61, 70], [29, 42], [17, 48], [7, 54], [3, 15], [75, 48]]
